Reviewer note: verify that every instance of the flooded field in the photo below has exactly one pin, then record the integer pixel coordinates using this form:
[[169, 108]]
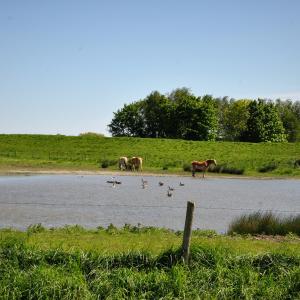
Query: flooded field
[[56, 200]]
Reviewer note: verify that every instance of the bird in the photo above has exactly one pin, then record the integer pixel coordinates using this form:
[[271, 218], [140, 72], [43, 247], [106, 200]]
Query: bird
[[169, 193], [171, 188], [114, 181], [181, 184], [144, 182], [161, 183]]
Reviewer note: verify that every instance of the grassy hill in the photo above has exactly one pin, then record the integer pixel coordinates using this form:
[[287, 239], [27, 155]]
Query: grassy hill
[[90, 152]]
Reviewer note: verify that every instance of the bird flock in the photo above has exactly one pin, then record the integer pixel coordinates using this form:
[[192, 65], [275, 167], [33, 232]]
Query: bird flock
[[144, 185]]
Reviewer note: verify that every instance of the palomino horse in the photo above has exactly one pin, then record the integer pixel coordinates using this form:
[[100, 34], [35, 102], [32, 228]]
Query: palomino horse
[[123, 163], [202, 165], [136, 163]]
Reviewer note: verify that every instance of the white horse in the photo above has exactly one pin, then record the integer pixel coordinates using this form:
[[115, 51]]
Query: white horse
[[123, 163]]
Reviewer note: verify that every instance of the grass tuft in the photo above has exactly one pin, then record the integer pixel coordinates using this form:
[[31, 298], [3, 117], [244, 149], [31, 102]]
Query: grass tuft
[[265, 223]]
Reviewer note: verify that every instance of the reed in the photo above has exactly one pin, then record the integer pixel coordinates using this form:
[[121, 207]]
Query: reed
[[265, 223]]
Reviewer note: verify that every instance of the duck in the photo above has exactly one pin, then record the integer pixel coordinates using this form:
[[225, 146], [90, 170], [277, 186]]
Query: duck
[[114, 181], [160, 183]]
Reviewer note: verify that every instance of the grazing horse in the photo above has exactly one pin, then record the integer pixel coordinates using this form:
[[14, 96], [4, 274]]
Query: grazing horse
[[136, 163], [123, 163], [202, 165]]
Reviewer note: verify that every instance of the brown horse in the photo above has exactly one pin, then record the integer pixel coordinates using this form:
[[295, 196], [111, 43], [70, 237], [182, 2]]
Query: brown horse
[[202, 166], [136, 163]]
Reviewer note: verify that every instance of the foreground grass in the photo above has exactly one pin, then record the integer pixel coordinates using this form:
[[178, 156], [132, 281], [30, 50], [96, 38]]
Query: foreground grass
[[74, 263], [34, 152]]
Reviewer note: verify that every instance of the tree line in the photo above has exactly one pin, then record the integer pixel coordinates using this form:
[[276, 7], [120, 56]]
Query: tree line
[[182, 115]]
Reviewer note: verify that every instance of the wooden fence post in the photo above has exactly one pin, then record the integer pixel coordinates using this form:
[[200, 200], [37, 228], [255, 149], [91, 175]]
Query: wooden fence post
[[187, 231]]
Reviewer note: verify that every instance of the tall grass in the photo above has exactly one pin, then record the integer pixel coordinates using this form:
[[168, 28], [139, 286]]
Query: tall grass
[[265, 223], [213, 273]]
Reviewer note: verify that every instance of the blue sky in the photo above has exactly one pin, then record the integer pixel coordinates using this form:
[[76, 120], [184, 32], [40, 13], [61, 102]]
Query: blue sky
[[66, 66]]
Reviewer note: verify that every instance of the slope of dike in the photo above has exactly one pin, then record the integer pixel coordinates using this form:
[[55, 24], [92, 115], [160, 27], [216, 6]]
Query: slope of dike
[[94, 154]]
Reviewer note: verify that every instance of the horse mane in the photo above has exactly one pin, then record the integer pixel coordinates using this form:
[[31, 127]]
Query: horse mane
[[211, 161]]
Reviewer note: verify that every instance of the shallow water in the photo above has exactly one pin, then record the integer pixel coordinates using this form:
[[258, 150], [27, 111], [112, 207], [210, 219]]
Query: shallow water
[[56, 200]]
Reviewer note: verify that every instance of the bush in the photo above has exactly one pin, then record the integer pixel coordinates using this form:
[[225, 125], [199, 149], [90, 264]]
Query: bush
[[106, 163], [268, 168], [226, 169], [187, 167], [297, 163], [91, 134]]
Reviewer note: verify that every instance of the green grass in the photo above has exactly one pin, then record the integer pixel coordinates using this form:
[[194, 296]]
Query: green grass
[[75, 263], [113, 240], [32, 152]]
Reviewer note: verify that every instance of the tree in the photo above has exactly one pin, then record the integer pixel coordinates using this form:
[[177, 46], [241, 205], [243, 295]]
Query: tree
[[235, 117], [183, 103], [178, 115], [290, 121], [263, 124], [128, 121], [208, 120], [157, 113], [222, 105], [194, 118]]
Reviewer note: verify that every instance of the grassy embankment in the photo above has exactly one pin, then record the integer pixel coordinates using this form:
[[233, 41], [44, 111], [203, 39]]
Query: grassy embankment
[[49, 152], [144, 263]]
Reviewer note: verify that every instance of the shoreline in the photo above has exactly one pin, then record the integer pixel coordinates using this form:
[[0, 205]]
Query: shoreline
[[33, 172]]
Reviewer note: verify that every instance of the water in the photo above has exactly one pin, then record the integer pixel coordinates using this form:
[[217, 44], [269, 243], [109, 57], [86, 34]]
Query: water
[[57, 200]]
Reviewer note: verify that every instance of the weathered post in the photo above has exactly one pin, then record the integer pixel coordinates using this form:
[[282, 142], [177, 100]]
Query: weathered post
[[187, 231]]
